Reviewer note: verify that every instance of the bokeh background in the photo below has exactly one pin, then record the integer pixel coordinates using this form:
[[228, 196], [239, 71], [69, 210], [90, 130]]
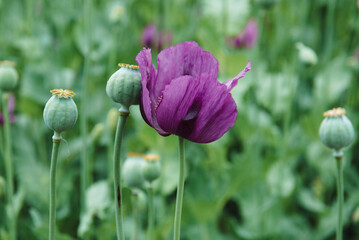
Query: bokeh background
[[269, 177]]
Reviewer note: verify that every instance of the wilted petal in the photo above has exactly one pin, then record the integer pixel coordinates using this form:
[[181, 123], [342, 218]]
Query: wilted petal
[[234, 81], [185, 58]]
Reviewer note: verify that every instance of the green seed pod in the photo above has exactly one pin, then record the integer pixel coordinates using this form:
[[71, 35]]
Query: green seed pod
[[8, 76], [60, 111], [124, 86], [151, 167], [132, 172], [336, 130]]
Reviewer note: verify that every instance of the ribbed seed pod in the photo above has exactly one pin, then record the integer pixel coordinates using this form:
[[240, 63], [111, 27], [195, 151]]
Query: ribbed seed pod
[[124, 86], [151, 167], [336, 131], [132, 172], [8, 76], [60, 111]]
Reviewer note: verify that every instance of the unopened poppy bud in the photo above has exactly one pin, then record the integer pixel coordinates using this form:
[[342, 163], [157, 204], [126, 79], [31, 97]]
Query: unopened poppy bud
[[8, 76], [132, 172], [336, 131], [306, 54], [124, 86], [116, 13], [60, 111], [97, 131], [112, 117], [151, 167]]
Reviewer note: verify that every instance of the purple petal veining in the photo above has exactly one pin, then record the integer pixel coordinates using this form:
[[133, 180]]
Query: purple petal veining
[[183, 97]]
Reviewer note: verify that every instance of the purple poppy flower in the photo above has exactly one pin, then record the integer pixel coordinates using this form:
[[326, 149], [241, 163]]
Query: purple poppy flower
[[183, 97], [154, 38], [247, 38], [148, 35], [356, 53], [11, 109]]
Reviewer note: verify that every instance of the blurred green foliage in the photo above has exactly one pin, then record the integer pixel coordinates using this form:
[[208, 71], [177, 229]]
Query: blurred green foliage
[[269, 177]]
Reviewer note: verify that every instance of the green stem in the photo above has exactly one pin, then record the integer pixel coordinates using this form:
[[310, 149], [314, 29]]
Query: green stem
[[9, 167], [84, 95], [136, 215], [56, 139], [117, 171], [180, 188], [330, 26], [110, 150], [150, 212], [340, 190], [90, 163]]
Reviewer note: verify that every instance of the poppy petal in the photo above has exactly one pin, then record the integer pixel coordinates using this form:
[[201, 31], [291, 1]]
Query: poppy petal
[[234, 81]]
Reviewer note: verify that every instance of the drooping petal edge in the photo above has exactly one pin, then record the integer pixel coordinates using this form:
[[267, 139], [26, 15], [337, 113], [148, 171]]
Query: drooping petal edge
[[234, 81]]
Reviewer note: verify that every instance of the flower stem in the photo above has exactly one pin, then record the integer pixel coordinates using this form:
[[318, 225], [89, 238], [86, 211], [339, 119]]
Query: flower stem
[[117, 171], [340, 190], [180, 188], [8, 166], [150, 211], [56, 139], [83, 110], [135, 215]]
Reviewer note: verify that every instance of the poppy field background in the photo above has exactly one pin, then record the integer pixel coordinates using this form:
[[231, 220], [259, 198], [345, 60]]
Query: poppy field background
[[268, 178]]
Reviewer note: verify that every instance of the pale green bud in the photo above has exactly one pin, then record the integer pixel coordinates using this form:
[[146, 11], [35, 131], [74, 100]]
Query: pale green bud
[[336, 131], [125, 85], [60, 111]]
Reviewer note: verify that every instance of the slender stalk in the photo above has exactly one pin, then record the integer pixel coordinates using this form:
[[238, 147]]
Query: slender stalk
[[330, 26], [136, 215], [180, 188], [110, 150], [340, 190], [56, 139], [150, 212], [9, 167], [90, 163], [83, 119], [117, 171]]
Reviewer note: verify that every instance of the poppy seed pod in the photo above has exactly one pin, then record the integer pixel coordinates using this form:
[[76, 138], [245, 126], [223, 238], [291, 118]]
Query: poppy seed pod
[[132, 172], [60, 111], [151, 167], [336, 131], [8, 76], [124, 86]]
